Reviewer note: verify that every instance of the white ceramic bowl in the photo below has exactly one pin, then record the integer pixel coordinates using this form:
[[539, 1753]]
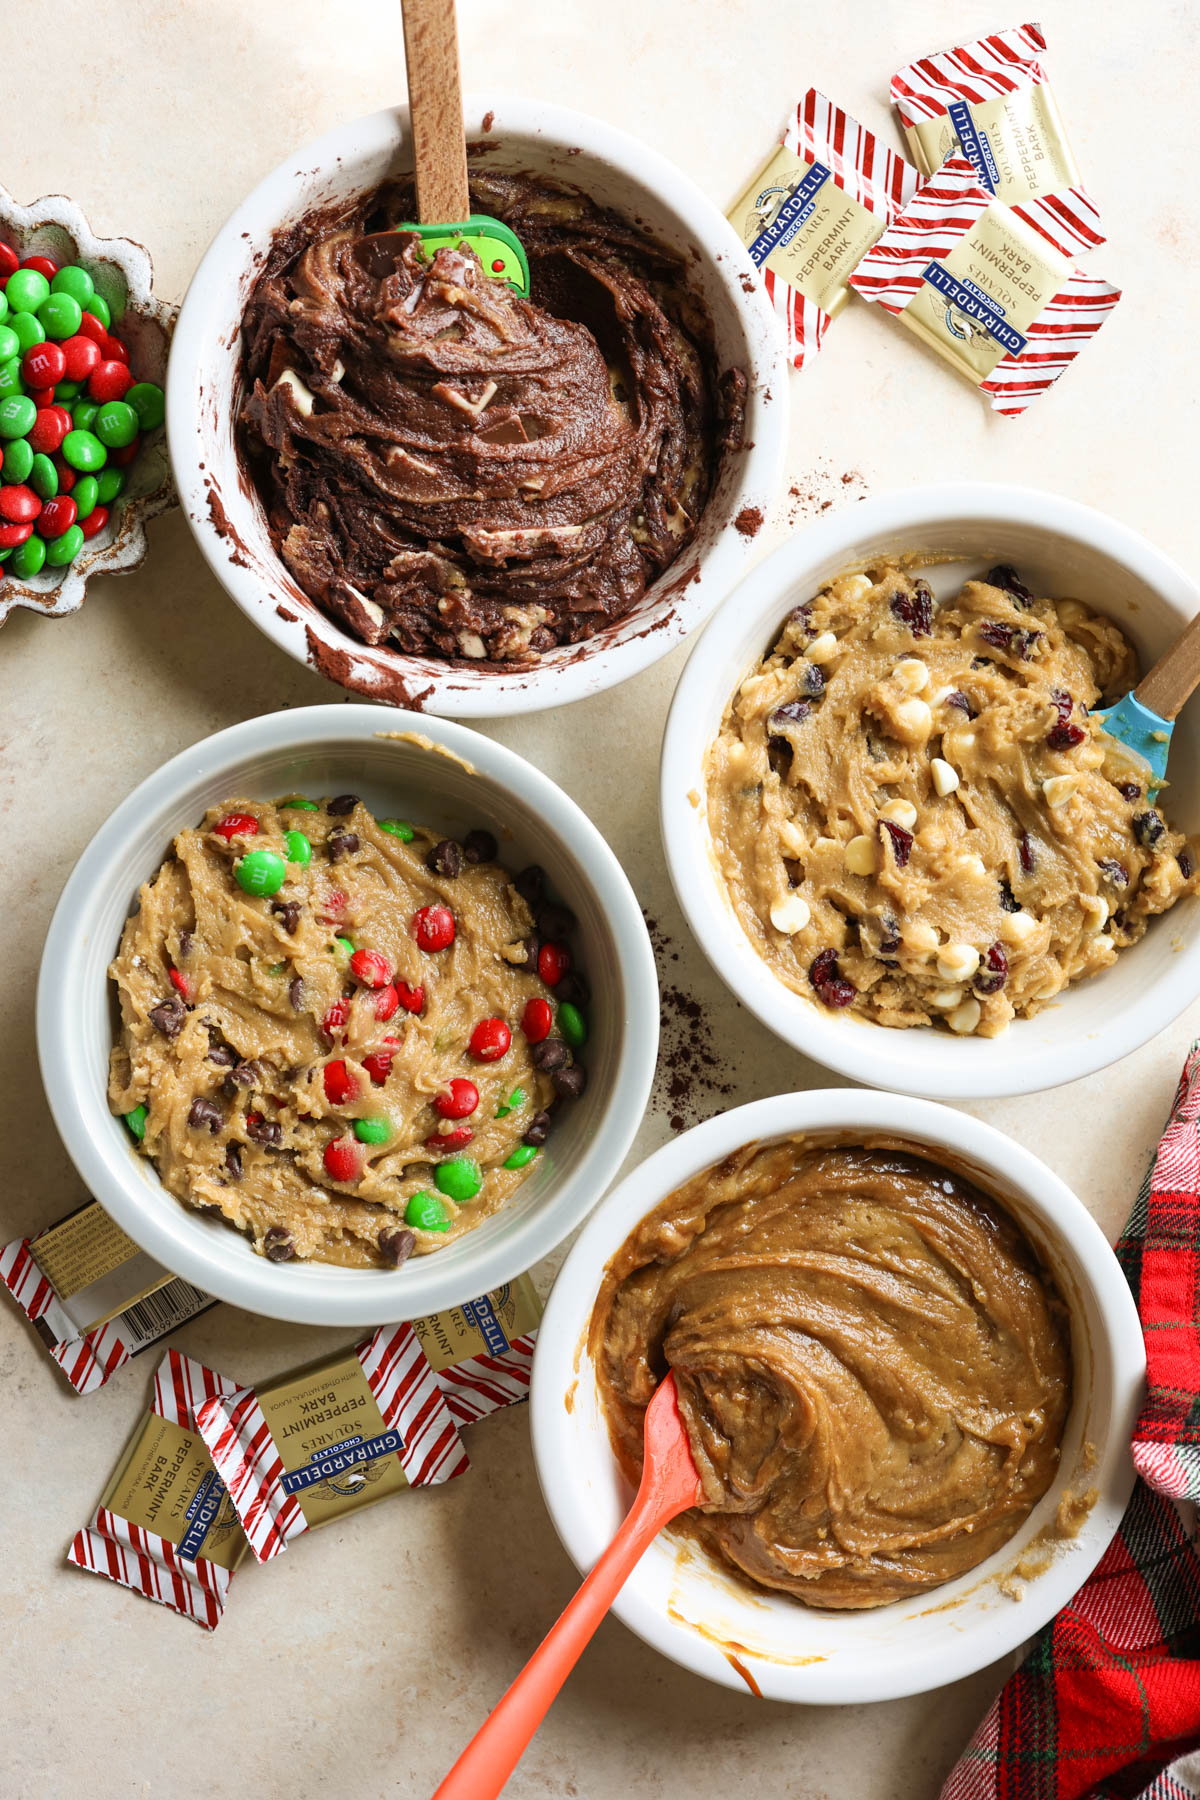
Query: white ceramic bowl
[[1062, 549], [203, 393], [335, 749], [678, 1599]]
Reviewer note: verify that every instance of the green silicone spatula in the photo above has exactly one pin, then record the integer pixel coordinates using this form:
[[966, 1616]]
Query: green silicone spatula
[[440, 150], [1143, 721]]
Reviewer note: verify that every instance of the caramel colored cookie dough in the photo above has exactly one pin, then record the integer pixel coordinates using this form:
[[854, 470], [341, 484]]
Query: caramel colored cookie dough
[[463, 473], [334, 1032], [916, 818], [873, 1368]]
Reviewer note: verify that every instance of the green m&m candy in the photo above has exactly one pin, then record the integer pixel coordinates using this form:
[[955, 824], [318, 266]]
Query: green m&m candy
[[515, 1099], [10, 344], [10, 377], [74, 281], [67, 392], [460, 1179], [116, 424], [426, 1213], [261, 871], [524, 1153], [98, 307], [83, 451], [17, 411], [136, 1121], [86, 495], [84, 412], [43, 477], [397, 828], [18, 460], [58, 314], [299, 850], [111, 483], [147, 401], [64, 549], [345, 945], [372, 1131], [572, 1024], [296, 802], [3, 306], [27, 558], [26, 290], [27, 329]]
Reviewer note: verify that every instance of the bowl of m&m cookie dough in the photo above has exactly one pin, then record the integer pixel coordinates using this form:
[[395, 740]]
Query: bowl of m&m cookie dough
[[343, 1023]]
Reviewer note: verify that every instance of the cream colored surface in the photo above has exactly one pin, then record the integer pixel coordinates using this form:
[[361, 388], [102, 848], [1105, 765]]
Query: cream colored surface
[[359, 1660]]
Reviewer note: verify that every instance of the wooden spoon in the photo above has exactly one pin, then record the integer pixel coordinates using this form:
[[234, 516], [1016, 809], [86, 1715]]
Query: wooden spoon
[[670, 1484], [440, 149], [1144, 720]]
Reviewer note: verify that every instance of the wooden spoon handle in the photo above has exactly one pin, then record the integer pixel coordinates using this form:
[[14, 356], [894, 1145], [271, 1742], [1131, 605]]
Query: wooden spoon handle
[[1174, 676], [435, 100]]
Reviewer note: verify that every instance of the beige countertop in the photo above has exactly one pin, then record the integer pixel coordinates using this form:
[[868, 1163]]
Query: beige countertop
[[361, 1661]]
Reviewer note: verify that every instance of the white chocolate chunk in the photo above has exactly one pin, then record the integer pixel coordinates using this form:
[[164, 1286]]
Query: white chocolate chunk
[[965, 1018], [920, 938], [861, 856], [957, 962], [1102, 944], [900, 812], [912, 674], [471, 644], [338, 369], [823, 648], [1059, 788], [790, 913], [854, 586], [914, 720], [1095, 910], [945, 778], [301, 396], [946, 999]]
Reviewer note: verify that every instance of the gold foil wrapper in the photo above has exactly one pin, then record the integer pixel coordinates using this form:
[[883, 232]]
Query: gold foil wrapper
[[166, 1484], [826, 248], [1025, 139], [309, 1414]]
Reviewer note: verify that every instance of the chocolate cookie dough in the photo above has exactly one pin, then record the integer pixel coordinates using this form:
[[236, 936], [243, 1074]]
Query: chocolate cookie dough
[[343, 1034], [873, 1368], [462, 473], [916, 818]]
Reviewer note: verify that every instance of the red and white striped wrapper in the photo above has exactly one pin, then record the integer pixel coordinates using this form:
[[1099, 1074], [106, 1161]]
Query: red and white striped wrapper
[[484, 1384], [944, 210], [87, 1361], [139, 1559], [992, 69], [410, 1401], [877, 178]]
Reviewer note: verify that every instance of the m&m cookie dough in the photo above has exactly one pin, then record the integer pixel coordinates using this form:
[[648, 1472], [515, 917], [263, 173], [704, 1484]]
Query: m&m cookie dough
[[345, 1035], [914, 814]]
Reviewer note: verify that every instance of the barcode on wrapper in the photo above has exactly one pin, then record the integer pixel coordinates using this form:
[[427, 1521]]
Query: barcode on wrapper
[[143, 1322]]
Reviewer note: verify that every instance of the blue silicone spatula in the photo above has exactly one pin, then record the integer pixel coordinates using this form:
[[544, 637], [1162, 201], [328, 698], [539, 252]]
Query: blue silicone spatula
[[1143, 721], [444, 213]]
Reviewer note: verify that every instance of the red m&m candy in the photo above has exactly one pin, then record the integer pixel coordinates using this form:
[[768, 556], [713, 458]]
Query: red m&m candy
[[412, 999], [433, 928], [335, 1019], [449, 1140], [372, 969], [42, 264], [180, 983], [43, 366], [80, 355], [57, 516], [236, 825], [49, 429], [379, 1064], [95, 522], [343, 1159], [109, 380], [458, 1101], [386, 1000], [9, 260], [12, 535], [339, 1082], [90, 327], [490, 1040], [536, 1020], [553, 962], [18, 503]]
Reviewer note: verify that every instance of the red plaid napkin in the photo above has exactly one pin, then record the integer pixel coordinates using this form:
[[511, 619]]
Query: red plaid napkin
[[1109, 1695]]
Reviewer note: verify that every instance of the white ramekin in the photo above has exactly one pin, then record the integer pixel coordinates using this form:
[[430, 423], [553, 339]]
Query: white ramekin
[[448, 777], [679, 1600], [1062, 549], [203, 392]]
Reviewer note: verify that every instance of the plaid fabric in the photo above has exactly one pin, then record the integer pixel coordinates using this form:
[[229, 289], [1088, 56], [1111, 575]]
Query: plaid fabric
[[1109, 1695]]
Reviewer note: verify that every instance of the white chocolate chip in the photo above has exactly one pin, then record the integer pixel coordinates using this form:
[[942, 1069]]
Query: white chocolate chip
[[471, 644], [945, 778], [1102, 943], [971, 864], [792, 841], [338, 369], [958, 962], [301, 396], [861, 855], [790, 913], [942, 695], [958, 744], [900, 812], [965, 1018], [1059, 788], [855, 586], [1095, 910], [914, 719], [823, 648], [946, 999], [920, 938], [1019, 927], [912, 674]]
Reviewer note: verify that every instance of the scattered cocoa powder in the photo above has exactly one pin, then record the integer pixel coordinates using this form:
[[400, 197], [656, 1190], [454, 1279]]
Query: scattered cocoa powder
[[749, 520], [821, 490], [691, 1082]]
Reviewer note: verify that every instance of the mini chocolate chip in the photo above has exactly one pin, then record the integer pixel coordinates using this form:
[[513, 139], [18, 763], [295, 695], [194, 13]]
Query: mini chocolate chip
[[1187, 867], [233, 1160], [396, 1246], [480, 846], [446, 858], [264, 1131], [296, 993], [168, 1016], [530, 882], [570, 1083], [550, 1054], [574, 987], [342, 843], [223, 1055], [278, 1245], [530, 946], [538, 1129], [247, 1074], [342, 803], [288, 911], [202, 1113], [210, 1209], [555, 921]]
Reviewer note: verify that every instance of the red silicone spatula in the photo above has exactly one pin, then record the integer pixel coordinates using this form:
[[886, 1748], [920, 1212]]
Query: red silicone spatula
[[670, 1484]]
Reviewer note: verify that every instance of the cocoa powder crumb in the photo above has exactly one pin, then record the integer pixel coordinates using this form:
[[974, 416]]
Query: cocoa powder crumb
[[749, 521], [691, 1082]]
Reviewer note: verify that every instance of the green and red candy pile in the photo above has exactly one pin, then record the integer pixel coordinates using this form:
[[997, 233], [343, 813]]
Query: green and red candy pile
[[72, 415]]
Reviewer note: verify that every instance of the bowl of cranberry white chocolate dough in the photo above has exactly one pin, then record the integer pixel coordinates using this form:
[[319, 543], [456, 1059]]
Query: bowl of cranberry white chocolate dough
[[346, 1035]]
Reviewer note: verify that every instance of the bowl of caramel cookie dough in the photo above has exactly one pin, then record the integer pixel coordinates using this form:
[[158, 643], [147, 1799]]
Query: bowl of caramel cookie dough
[[346, 1023], [891, 818], [908, 1364]]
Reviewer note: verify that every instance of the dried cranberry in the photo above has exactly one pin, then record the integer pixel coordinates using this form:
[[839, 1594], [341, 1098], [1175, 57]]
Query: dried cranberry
[[792, 712], [993, 971], [1065, 737], [1129, 790], [959, 699], [914, 610], [812, 682], [1006, 577], [823, 967], [832, 989], [1008, 639], [902, 842], [1008, 900], [1114, 871], [801, 615], [1025, 851], [1187, 867], [1147, 829]]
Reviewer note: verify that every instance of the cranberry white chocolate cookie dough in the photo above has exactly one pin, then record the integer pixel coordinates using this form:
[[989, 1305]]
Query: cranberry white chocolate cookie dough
[[464, 473], [340, 1033], [873, 1368], [916, 818]]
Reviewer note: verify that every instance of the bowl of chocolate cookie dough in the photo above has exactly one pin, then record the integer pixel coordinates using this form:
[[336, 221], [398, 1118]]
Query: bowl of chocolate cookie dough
[[446, 496], [891, 818], [346, 1023]]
